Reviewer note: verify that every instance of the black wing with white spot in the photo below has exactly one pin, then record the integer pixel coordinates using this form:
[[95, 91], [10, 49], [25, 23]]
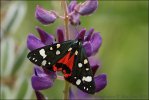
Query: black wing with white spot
[[47, 56], [82, 75]]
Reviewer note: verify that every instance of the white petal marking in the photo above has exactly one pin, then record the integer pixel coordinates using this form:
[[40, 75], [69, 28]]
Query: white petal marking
[[42, 53], [78, 82], [44, 62]]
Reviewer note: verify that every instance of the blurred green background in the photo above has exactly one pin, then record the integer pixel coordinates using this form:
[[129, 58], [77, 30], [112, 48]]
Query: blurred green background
[[123, 55]]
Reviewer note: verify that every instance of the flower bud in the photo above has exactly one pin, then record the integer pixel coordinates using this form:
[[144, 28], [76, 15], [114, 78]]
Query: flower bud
[[44, 16], [87, 8]]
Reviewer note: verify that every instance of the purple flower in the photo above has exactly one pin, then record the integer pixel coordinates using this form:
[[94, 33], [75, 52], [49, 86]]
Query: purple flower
[[44, 16], [74, 12], [85, 8], [91, 41], [43, 78]]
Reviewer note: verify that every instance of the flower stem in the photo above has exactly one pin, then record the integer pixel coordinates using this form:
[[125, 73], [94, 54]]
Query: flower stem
[[66, 18], [66, 22]]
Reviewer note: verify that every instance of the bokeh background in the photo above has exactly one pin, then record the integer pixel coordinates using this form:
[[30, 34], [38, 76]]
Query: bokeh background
[[123, 55]]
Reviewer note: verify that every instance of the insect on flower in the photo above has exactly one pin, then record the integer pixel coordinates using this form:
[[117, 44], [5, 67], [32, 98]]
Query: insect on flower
[[68, 57], [72, 53]]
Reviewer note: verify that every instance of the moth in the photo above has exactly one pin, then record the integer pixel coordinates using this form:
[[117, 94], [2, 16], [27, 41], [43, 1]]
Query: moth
[[68, 57]]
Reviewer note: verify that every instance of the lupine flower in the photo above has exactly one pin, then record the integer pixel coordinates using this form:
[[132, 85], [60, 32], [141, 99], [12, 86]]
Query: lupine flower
[[74, 10], [45, 16], [43, 78]]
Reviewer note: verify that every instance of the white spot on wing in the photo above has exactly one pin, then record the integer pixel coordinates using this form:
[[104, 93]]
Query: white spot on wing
[[69, 49], [58, 52], [44, 62], [84, 88], [78, 82], [87, 69], [85, 61], [76, 52], [58, 45], [79, 65], [49, 63], [36, 60], [87, 79], [51, 48], [42, 53]]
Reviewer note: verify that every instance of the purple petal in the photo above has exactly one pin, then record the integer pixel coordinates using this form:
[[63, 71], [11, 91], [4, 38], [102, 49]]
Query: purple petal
[[81, 34], [40, 80], [88, 7], [60, 35], [83, 95], [100, 82], [94, 63], [39, 96], [71, 6], [96, 41], [44, 16], [45, 37], [88, 48], [75, 19], [71, 94], [88, 34], [33, 42]]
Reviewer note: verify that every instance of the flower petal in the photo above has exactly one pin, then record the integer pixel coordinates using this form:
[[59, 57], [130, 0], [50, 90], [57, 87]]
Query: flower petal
[[60, 35], [83, 95], [88, 7], [40, 80], [75, 19], [94, 63], [88, 34], [81, 34], [96, 41], [71, 94], [71, 5], [44, 16], [33, 42], [100, 82], [39, 96], [46, 38], [88, 48]]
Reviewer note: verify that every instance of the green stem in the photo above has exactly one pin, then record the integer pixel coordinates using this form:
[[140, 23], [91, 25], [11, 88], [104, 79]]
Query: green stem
[[66, 18], [66, 22]]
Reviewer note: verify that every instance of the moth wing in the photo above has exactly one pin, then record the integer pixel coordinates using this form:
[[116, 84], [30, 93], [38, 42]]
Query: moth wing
[[82, 75], [47, 56]]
